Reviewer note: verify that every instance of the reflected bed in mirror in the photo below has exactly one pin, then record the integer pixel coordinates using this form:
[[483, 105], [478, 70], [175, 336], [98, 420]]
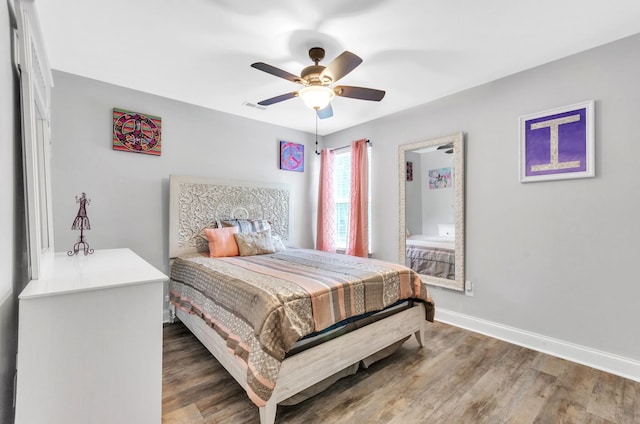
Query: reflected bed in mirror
[[431, 239]]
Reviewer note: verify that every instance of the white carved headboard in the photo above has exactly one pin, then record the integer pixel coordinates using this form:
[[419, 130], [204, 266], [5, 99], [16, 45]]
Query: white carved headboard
[[195, 203]]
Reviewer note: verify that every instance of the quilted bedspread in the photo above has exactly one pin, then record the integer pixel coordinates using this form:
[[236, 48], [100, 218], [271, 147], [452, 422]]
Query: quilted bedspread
[[431, 261], [261, 305]]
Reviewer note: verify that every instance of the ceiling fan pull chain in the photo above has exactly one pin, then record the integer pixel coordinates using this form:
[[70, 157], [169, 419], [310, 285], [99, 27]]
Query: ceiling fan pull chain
[[317, 152]]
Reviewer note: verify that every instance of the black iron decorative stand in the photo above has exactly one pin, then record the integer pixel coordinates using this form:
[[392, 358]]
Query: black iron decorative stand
[[81, 223]]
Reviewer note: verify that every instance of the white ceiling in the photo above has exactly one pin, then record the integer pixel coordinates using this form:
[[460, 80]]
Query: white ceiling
[[200, 51]]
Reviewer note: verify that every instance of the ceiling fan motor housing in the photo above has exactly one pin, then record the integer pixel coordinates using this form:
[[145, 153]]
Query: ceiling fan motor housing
[[311, 74]]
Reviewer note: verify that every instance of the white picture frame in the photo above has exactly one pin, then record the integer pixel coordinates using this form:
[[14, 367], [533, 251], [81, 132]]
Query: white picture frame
[[558, 143]]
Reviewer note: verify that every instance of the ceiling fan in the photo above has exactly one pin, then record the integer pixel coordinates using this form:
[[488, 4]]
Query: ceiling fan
[[448, 148], [317, 92]]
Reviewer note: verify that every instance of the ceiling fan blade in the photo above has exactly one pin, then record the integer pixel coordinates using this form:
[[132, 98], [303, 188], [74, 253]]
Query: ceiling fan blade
[[276, 71], [341, 66], [359, 93], [325, 113], [279, 98]]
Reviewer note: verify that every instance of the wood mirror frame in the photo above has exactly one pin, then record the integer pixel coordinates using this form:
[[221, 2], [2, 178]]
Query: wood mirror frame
[[457, 142]]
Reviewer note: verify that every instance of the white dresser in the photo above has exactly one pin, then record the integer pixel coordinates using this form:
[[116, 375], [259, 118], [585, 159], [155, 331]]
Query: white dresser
[[90, 341]]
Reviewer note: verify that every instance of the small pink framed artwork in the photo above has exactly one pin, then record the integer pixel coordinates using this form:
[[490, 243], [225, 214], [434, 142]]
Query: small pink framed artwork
[[136, 132], [291, 156], [440, 178]]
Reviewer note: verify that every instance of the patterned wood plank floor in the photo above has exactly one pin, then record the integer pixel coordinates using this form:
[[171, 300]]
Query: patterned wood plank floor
[[460, 377]]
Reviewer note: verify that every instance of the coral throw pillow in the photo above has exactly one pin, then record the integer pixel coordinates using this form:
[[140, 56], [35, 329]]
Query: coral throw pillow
[[222, 242]]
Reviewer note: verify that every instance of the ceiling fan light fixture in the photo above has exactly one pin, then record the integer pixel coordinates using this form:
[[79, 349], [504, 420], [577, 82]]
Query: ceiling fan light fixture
[[316, 96]]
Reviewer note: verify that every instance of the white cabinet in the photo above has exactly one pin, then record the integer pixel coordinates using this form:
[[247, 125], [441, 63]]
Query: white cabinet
[[90, 341]]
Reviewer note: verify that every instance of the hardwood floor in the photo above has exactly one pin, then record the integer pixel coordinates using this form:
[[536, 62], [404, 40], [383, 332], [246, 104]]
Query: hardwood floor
[[459, 377]]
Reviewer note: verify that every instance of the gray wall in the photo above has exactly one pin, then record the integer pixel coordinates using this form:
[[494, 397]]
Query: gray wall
[[12, 225], [553, 258], [129, 191], [413, 218]]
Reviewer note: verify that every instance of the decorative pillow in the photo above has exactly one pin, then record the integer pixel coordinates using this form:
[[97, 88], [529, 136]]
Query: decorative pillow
[[260, 224], [258, 243], [247, 225], [278, 245], [213, 224], [222, 242]]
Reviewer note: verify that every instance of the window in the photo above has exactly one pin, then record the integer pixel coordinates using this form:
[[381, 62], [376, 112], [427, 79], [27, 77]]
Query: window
[[342, 193], [35, 90]]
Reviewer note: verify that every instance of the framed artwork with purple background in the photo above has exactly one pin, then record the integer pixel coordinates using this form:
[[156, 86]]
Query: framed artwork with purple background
[[558, 143], [291, 156]]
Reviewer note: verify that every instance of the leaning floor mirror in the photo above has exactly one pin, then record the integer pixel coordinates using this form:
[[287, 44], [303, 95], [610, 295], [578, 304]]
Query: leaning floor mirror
[[431, 239]]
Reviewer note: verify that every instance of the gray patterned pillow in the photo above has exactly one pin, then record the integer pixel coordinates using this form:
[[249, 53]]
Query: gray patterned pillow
[[258, 243], [278, 245], [246, 225]]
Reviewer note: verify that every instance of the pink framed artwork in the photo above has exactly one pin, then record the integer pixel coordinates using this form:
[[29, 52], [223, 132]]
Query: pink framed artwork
[[136, 132], [291, 156]]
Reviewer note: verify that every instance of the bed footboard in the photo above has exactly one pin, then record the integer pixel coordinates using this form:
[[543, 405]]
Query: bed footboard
[[311, 366]]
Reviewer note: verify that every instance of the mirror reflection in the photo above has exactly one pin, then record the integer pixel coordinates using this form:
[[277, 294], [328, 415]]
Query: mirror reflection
[[431, 210]]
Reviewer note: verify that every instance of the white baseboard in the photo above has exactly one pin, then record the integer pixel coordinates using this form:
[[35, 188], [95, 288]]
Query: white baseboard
[[604, 361]]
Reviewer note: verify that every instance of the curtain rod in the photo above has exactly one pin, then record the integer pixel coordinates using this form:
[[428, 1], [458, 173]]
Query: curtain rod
[[339, 148], [349, 145]]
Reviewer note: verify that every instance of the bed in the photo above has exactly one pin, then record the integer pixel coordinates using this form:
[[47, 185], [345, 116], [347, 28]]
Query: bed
[[286, 322], [431, 255]]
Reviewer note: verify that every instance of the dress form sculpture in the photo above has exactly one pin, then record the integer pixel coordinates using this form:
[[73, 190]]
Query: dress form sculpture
[[81, 223]]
